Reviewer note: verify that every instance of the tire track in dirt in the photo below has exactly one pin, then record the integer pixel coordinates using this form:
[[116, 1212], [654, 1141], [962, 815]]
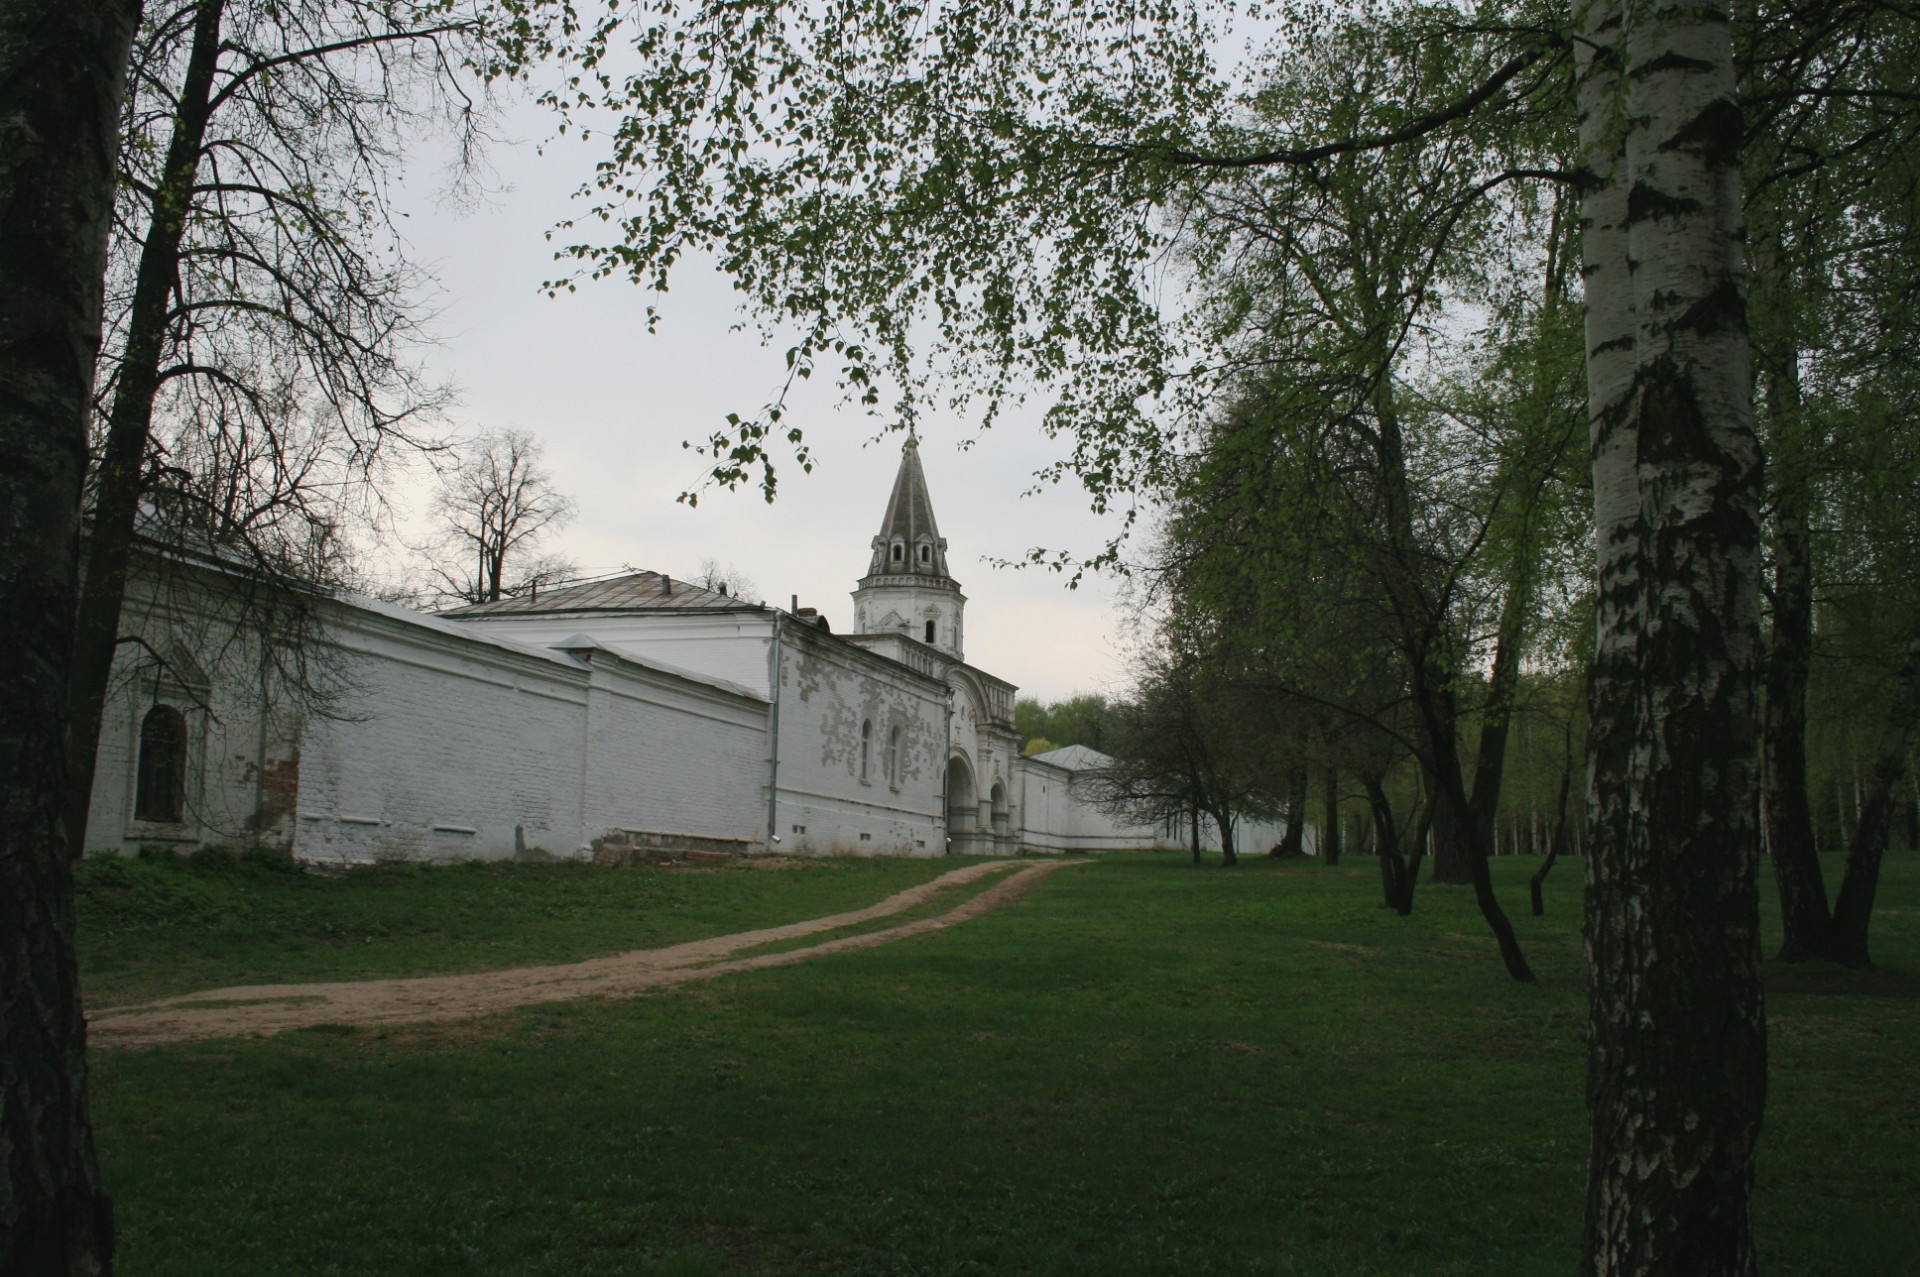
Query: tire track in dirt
[[265, 1009]]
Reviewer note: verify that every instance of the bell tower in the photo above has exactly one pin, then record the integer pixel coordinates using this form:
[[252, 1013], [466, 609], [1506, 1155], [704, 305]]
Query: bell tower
[[907, 589]]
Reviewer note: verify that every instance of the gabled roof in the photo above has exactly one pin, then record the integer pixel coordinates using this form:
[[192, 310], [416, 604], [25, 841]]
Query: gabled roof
[[632, 592], [909, 522]]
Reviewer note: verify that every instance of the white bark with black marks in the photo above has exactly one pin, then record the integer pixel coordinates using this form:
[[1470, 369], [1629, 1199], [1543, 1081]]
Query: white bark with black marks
[[1677, 1048]]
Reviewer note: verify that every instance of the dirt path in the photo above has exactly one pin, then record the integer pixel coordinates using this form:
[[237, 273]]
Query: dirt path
[[264, 1009]]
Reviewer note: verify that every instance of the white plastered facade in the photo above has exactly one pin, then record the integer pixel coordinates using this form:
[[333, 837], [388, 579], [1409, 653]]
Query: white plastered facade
[[632, 712]]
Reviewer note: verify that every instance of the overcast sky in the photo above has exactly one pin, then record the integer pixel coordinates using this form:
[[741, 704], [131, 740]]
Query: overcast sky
[[612, 404]]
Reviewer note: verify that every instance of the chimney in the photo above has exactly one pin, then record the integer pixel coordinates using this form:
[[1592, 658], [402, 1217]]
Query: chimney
[[666, 584], [795, 608]]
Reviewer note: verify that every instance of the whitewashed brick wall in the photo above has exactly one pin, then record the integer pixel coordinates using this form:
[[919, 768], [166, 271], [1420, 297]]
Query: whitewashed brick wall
[[828, 689], [459, 739]]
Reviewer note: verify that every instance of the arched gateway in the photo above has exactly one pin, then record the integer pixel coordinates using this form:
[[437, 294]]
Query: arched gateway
[[962, 806]]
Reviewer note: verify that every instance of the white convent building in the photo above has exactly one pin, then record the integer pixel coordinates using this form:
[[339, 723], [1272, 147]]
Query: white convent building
[[601, 719]]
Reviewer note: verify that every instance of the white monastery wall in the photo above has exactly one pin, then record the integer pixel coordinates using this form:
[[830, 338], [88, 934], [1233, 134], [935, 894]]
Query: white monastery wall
[[670, 755], [845, 790], [448, 747], [608, 716], [440, 741], [731, 646], [237, 760], [1045, 805]]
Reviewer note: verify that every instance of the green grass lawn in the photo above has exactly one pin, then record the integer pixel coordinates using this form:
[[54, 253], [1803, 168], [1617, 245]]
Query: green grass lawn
[[162, 925], [1139, 1068]]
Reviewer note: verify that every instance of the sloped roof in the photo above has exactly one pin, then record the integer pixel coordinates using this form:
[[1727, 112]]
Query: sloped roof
[[1076, 758], [909, 520], [633, 592]]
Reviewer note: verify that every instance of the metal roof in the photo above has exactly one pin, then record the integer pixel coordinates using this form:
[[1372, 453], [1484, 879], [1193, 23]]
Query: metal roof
[[1076, 758], [909, 523], [631, 592]]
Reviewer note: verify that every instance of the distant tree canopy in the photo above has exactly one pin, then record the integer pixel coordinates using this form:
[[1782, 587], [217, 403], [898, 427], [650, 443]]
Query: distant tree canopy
[[1084, 719]]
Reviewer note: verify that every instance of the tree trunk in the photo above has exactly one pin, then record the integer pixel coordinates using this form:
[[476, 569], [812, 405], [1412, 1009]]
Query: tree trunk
[[1853, 908], [1294, 836], [1452, 852], [1193, 817], [1399, 873], [1330, 841], [62, 75], [1491, 760], [1806, 924], [1804, 918], [1676, 1075], [118, 482], [1415, 854], [1223, 821], [1386, 841], [1536, 886], [1434, 704]]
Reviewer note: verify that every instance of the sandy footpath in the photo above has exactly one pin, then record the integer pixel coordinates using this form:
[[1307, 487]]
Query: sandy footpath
[[264, 1009]]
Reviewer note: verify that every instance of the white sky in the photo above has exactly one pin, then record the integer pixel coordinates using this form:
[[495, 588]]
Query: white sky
[[612, 404]]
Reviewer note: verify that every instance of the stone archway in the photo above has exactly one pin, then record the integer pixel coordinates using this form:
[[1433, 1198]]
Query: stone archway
[[1001, 816], [963, 812]]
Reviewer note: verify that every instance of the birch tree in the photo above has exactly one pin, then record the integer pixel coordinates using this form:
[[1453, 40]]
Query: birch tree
[[985, 180], [1677, 1037]]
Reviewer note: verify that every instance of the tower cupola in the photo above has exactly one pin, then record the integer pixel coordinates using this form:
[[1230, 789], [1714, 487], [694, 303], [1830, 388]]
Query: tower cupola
[[909, 542], [907, 588]]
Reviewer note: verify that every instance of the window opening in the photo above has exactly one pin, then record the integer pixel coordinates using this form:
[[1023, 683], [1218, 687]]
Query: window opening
[[929, 631], [893, 758], [898, 551], [161, 785], [866, 746], [926, 554]]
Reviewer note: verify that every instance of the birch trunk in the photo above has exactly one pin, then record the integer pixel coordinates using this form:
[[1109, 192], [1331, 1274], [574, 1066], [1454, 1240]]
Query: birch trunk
[[1677, 1042], [62, 74]]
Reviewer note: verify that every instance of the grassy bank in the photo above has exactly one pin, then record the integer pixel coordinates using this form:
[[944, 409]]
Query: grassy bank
[[1140, 1068], [161, 925]]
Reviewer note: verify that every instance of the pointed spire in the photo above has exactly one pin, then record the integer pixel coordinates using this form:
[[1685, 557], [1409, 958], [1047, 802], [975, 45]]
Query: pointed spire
[[909, 543]]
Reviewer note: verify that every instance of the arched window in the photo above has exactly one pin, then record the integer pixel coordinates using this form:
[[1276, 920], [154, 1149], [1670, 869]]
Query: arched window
[[929, 631], [893, 758], [899, 552], [926, 553], [866, 747], [160, 791]]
